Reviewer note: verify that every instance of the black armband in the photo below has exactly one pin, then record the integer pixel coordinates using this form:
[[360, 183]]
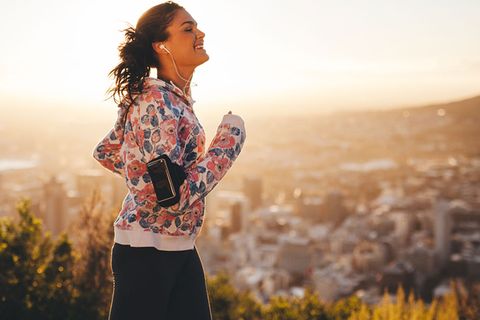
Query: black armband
[[167, 177]]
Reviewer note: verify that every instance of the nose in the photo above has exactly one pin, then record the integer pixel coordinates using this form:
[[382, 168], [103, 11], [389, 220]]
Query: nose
[[200, 34]]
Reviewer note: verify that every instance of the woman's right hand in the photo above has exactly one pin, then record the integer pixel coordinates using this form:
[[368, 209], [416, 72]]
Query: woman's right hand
[[233, 119]]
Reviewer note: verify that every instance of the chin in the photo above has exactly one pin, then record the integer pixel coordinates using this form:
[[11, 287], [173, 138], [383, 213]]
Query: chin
[[203, 60]]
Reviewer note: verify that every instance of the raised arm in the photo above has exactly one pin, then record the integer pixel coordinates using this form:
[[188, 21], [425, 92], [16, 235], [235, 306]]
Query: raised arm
[[152, 130]]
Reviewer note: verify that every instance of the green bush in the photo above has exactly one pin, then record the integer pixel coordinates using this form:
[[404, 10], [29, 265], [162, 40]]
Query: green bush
[[36, 279]]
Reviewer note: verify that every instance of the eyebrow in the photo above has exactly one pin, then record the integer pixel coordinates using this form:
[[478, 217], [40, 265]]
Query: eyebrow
[[189, 21]]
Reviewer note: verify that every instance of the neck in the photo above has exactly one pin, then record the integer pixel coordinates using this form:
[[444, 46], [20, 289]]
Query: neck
[[169, 74]]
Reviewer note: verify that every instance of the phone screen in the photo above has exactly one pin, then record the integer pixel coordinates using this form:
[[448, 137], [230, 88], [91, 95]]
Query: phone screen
[[161, 179]]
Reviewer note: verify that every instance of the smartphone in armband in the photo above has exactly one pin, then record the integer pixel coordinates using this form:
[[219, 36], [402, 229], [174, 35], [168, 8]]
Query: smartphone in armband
[[167, 177]]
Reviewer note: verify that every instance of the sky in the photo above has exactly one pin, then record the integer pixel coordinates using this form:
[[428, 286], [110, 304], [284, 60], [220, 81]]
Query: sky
[[266, 57]]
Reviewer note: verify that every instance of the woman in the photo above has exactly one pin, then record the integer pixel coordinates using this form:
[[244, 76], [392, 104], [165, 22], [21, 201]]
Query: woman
[[156, 268]]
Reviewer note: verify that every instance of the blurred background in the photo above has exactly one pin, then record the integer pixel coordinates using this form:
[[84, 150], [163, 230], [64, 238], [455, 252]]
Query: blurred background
[[360, 174]]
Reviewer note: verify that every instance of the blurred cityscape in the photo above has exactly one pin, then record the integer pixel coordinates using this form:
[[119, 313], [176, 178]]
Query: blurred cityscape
[[348, 203]]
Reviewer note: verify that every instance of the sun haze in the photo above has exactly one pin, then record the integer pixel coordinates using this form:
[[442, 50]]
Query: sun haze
[[265, 56]]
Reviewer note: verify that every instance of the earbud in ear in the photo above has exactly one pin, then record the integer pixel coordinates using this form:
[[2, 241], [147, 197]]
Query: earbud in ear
[[162, 46]]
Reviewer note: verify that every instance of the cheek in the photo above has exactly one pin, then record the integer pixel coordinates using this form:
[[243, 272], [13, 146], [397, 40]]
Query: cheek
[[184, 50], [185, 41]]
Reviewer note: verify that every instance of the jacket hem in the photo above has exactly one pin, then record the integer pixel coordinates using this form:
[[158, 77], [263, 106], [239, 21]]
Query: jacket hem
[[138, 238]]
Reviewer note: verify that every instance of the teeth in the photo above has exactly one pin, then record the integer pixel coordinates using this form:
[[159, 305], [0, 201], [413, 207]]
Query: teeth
[[200, 46]]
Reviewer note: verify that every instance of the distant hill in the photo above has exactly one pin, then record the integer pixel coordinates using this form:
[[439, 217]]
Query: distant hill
[[464, 108], [453, 127]]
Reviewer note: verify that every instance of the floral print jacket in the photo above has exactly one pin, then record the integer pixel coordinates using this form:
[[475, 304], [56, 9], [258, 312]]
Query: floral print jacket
[[161, 120]]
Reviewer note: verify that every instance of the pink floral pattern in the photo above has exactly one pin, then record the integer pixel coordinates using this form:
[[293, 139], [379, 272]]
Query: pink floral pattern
[[136, 169], [169, 131], [161, 121], [218, 166]]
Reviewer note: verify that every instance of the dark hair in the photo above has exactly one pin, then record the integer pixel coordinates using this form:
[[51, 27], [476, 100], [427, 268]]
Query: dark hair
[[136, 53]]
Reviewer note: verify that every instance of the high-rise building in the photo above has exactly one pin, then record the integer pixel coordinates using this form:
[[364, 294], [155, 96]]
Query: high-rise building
[[334, 208], [236, 218], [229, 209], [252, 188], [239, 215], [54, 213], [441, 229]]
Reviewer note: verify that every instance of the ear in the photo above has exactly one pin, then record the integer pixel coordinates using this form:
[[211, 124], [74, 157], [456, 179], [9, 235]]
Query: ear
[[156, 47]]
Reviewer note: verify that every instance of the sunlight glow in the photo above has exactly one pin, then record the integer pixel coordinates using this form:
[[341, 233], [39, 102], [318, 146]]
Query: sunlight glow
[[332, 55]]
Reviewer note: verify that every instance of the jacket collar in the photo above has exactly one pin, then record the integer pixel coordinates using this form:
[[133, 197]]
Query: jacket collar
[[170, 86]]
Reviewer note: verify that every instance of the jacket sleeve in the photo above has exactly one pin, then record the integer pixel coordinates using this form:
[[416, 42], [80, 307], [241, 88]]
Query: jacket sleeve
[[107, 151], [153, 129]]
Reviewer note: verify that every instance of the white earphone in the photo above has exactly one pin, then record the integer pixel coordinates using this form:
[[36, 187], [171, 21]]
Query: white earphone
[[162, 46]]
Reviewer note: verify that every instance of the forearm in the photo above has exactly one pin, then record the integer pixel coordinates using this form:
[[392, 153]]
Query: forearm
[[212, 166]]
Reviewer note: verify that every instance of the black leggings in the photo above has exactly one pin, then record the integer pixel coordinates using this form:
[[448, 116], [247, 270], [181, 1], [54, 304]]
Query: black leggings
[[154, 284]]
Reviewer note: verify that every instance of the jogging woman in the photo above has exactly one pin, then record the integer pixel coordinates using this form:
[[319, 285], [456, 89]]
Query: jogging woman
[[156, 267]]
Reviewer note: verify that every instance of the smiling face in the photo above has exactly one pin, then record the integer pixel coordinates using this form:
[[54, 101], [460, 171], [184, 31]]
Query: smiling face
[[185, 41]]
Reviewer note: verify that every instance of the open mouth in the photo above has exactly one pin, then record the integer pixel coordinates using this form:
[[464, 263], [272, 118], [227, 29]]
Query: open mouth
[[199, 47]]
